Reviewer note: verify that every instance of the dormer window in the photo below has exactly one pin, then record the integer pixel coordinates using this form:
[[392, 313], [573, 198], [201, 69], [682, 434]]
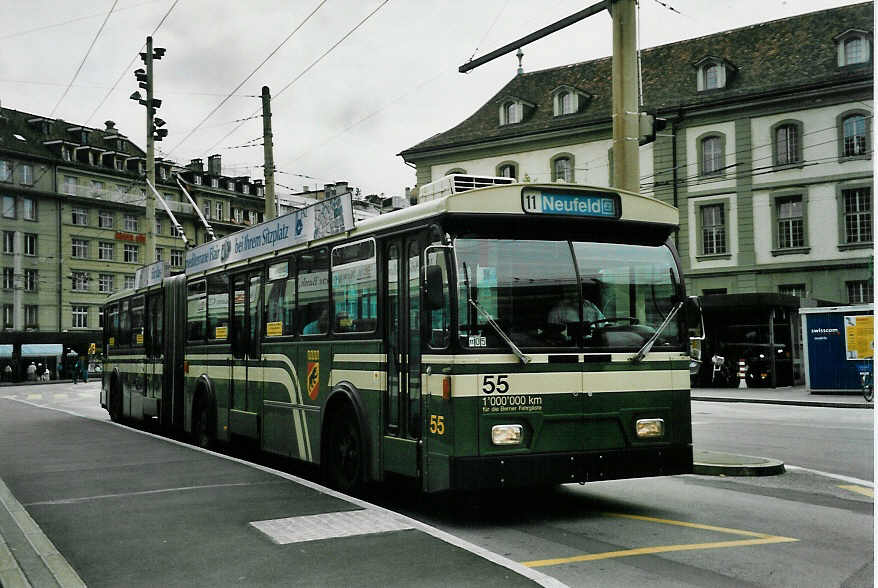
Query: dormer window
[[163, 173], [196, 179], [714, 73], [120, 145], [514, 110], [230, 185], [853, 47], [66, 153], [84, 138], [568, 100], [214, 182], [118, 163]]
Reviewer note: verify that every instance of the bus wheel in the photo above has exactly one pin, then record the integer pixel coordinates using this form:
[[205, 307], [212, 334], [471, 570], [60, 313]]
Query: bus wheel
[[115, 408], [344, 452], [201, 425]]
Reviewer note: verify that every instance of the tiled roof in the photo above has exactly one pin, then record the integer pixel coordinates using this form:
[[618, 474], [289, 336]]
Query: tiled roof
[[787, 53], [15, 122]]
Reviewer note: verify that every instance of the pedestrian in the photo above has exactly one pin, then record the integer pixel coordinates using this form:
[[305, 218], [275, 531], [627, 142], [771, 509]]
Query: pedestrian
[[85, 370], [7, 372], [32, 372], [77, 368]]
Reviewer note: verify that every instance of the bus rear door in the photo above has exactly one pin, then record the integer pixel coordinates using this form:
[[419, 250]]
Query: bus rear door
[[245, 382]]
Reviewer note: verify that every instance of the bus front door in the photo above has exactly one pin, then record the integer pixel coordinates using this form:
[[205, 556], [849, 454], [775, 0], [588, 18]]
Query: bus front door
[[245, 378], [403, 406]]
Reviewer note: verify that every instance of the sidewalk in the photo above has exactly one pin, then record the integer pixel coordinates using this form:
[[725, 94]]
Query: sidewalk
[[793, 395]]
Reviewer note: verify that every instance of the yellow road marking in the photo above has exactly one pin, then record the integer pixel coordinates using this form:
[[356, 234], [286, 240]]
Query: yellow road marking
[[60, 396], [34, 396], [760, 539], [859, 490]]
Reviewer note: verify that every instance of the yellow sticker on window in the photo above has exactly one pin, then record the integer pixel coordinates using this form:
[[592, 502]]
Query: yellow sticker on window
[[221, 333], [112, 340], [275, 329], [139, 338]]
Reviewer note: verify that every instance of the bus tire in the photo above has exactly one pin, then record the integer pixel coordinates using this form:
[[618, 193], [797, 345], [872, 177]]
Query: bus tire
[[344, 452], [201, 436], [115, 402]]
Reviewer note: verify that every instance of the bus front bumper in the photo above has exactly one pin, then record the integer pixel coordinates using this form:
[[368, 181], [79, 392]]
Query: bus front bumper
[[471, 473]]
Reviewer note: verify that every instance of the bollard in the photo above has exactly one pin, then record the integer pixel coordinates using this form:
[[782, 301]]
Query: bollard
[[742, 373]]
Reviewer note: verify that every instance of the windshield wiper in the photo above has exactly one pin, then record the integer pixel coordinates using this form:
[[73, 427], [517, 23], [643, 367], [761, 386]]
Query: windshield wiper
[[525, 359], [648, 345]]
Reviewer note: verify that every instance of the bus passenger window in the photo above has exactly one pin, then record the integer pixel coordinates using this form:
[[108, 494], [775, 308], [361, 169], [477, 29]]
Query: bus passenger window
[[280, 300], [137, 321], [313, 285], [114, 340], [124, 324], [156, 319], [111, 322], [218, 307], [196, 311], [355, 287]]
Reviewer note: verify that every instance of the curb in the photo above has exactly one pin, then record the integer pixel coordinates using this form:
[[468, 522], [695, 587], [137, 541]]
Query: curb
[[715, 463], [816, 403]]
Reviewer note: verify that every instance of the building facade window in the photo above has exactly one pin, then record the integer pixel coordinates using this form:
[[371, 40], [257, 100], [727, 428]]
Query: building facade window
[[5, 171], [27, 174], [79, 216], [790, 222], [129, 282], [158, 253], [713, 229], [860, 292], [30, 244], [8, 278], [787, 143], [31, 280], [252, 217], [857, 215], [31, 316], [97, 188], [507, 170], [218, 210], [8, 242], [69, 185], [797, 290], [105, 250], [8, 206], [854, 129], [105, 283], [105, 219], [854, 46], [130, 223], [177, 257], [79, 317], [7, 316], [29, 209], [131, 253], [80, 248], [562, 168], [79, 281], [711, 154], [206, 209], [238, 215]]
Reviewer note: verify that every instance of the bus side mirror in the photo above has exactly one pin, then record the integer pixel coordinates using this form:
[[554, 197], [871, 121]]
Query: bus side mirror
[[694, 318], [435, 292]]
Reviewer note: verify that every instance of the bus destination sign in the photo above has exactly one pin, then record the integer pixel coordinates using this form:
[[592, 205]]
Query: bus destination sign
[[597, 204], [150, 275], [321, 219]]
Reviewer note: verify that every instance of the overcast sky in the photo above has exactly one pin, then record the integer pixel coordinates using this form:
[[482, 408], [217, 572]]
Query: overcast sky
[[389, 85]]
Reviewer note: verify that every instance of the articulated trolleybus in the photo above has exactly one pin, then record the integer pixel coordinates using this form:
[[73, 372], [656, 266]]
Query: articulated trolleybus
[[507, 335]]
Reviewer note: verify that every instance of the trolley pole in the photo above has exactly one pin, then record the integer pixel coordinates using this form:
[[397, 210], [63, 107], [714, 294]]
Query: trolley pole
[[626, 102], [268, 149], [150, 158]]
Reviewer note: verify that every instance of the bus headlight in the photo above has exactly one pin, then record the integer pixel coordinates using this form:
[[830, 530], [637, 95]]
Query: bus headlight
[[650, 428], [506, 434]]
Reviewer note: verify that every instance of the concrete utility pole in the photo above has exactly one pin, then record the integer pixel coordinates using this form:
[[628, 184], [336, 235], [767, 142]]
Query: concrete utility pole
[[268, 149], [150, 159], [626, 100]]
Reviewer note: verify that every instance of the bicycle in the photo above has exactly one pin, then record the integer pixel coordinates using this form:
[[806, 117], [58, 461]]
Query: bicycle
[[866, 381]]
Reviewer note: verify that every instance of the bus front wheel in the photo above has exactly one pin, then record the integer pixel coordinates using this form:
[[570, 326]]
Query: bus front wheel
[[344, 464], [201, 425]]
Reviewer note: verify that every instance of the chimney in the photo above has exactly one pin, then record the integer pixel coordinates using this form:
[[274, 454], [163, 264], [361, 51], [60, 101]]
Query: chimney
[[305, 188], [341, 188], [196, 165], [214, 165], [111, 126], [328, 190]]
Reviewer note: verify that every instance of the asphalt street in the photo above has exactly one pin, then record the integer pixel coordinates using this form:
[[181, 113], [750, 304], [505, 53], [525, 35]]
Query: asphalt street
[[807, 527]]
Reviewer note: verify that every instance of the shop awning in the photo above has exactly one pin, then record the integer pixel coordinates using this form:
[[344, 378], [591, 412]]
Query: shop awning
[[41, 349]]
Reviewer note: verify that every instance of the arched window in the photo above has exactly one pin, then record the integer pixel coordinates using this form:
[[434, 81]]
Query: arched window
[[788, 149], [562, 169], [854, 135], [711, 76], [507, 170], [712, 157], [565, 102]]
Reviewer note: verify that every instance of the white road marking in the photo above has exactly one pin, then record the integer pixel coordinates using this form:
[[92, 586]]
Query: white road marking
[[848, 479], [329, 526]]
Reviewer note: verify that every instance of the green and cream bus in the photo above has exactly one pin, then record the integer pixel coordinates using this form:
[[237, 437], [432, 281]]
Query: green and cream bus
[[507, 335]]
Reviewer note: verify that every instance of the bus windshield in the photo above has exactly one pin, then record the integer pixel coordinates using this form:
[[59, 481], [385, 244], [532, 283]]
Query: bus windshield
[[563, 294]]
